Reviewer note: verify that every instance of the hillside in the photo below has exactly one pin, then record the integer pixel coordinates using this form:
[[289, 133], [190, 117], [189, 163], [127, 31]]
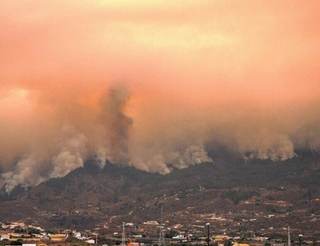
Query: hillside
[[89, 196]]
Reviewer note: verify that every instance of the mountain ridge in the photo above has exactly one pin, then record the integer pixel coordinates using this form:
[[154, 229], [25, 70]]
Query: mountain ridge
[[127, 193]]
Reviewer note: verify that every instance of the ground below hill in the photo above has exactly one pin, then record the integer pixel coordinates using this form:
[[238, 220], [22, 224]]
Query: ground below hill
[[255, 195]]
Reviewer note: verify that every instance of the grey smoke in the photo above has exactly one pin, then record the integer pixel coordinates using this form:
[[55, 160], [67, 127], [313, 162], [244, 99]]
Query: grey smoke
[[171, 139], [69, 154], [115, 126], [72, 151]]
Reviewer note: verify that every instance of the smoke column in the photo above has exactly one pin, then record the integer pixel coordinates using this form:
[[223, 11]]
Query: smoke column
[[116, 126]]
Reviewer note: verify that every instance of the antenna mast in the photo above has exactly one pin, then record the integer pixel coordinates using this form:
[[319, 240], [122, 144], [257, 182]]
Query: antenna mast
[[123, 242], [161, 236]]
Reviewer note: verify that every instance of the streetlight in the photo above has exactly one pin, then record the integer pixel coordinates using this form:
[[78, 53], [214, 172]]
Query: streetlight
[[208, 233]]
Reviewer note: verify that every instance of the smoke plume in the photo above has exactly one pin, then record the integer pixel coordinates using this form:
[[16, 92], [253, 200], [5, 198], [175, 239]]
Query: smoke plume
[[194, 74], [115, 126]]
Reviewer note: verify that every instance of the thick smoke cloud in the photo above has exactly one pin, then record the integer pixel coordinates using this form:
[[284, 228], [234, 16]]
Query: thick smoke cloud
[[194, 74], [35, 167]]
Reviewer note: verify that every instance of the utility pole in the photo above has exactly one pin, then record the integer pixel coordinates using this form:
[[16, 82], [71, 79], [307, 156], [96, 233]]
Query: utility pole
[[289, 238]]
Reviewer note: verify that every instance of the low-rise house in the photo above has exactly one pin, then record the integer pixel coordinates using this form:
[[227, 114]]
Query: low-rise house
[[5, 236], [58, 237], [29, 244], [241, 244], [151, 222]]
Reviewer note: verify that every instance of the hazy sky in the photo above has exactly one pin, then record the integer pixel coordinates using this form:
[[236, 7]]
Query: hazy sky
[[152, 83]]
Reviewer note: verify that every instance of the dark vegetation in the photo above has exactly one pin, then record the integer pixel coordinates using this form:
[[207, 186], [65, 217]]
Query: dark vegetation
[[90, 195]]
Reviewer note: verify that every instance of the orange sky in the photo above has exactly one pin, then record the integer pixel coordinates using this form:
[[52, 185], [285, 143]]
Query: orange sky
[[186, 74]]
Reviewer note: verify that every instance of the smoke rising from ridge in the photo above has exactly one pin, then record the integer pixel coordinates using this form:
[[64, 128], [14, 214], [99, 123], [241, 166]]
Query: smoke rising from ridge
[[116, 126], [193, 76]]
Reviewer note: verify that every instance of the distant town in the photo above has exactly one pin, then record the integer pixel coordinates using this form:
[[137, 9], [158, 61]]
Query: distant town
[[148, 233]]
